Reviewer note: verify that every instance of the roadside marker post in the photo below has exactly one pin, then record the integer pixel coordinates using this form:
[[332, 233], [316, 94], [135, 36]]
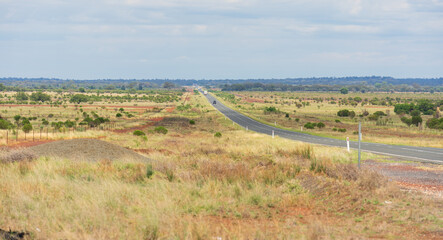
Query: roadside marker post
[[275, 123], [301, 128], [347, 143], [272, 133], [359, 144], [246, 128]]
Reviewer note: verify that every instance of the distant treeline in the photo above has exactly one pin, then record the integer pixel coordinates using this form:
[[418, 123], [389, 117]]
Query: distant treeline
[[372, 83], [378, 87]]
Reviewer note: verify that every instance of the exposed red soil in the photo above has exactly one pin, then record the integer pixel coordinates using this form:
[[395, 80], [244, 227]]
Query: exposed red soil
[[417, 186], [24, 144], [170, 109], [140, 127]]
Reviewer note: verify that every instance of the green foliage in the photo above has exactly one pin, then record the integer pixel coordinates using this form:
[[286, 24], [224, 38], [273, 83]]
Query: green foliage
[[406, 121], [218, 134], [346, 113], [192, 122], [344, 90], [27, 127], [320, 125], [309, 125], [121, 110], [5, 124], [138, 133], [40, 97], [79, 98], [416, 120], [415, 113], [435, 123], [271, 109], [21, 96], [379, 113], [342, 129], [149, 171], [118, 115], [161, 129]]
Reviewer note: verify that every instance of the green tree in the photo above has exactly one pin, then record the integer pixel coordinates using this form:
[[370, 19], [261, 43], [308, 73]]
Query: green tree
[[416, 120], [27, 127], [40, 97], [344, 90], [21, 96], [168, 85], [79, 98]]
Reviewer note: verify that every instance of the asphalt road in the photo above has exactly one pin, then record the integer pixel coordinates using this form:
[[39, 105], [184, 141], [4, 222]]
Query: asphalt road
[[424, 154]]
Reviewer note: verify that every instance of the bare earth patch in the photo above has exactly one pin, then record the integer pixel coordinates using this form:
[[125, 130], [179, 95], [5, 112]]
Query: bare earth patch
[[86, 150], [416, 176]]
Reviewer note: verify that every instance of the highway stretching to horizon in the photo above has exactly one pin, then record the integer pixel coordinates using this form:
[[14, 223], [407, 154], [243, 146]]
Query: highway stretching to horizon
[[422, 154]]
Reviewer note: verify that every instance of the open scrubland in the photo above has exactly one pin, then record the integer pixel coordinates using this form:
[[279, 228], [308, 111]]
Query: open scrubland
[[200, 177], [339, 114]]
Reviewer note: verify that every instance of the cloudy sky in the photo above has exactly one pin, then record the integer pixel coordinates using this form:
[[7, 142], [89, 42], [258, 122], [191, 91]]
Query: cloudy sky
[[217, 39]]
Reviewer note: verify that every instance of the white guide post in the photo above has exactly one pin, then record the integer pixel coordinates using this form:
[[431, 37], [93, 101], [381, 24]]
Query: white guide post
[[272, 133], [347, 143], [301, 128], [275, 123], [246, 128]]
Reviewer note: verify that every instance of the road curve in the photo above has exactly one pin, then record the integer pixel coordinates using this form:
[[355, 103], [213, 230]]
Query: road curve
[[423, 154]]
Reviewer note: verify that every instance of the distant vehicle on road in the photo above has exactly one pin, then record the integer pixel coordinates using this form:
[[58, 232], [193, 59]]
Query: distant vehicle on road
[[214, 102]]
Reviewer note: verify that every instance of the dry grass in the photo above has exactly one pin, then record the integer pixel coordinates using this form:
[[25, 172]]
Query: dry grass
[[240, 186]]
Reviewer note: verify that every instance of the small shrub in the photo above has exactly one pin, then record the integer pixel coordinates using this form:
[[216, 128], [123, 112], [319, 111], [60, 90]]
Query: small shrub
[[118, 115], [320, 125], [334, 129], [161, 129], [218, 134], [149, 171], [337, 121], [309, 125], [342, 129], [170, 175], [297, 119], [139, 133], [192, 122]]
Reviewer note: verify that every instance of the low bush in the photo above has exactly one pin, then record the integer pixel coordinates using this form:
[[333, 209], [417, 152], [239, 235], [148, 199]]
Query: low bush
[[161, 129], [218, 134], [192, 122], [342, 129], [149, 171], [139, 133]]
